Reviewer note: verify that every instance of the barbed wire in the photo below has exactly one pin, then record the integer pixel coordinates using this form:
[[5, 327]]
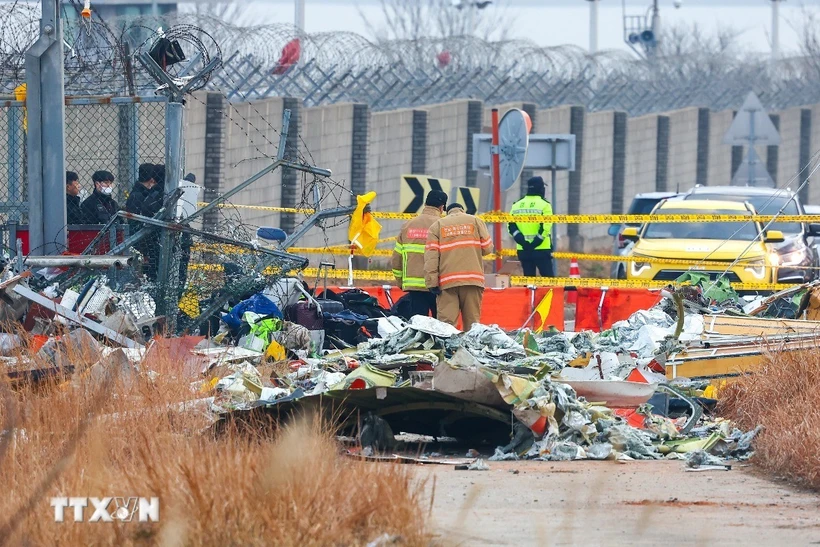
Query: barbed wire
[[321, 68]]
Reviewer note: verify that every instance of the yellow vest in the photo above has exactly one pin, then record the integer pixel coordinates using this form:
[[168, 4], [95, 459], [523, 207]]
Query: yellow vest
[[533, 205]]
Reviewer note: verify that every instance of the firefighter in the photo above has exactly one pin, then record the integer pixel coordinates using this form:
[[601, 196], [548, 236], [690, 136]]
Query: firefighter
[[408, 256], [533, 238], [454, 266]]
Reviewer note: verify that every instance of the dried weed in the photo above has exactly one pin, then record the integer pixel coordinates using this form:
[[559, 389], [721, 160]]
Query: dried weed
[[783, 397], [129, 437]]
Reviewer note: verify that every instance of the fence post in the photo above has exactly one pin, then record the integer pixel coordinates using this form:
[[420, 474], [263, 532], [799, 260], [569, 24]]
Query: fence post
[[167, 276], [128, 161], [45, 102]]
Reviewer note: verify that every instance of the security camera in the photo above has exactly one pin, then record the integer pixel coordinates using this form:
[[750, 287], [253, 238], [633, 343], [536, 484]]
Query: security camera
[[677, 3]]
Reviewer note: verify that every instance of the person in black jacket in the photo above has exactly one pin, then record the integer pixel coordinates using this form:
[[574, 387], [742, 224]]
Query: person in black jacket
[[99, 207], [73, 204], [146, 197], [146, 200]]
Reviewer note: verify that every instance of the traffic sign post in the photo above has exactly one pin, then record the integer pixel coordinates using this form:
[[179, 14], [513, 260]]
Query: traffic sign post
[[496, 188], [752, 126], [553, 152]]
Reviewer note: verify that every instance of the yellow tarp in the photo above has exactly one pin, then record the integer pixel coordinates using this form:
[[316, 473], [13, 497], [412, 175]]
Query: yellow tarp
[[364, 229]]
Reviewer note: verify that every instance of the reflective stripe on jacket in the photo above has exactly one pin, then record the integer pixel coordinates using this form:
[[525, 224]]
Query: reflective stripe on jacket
[[532, 205], [454, 251], [408, 254]]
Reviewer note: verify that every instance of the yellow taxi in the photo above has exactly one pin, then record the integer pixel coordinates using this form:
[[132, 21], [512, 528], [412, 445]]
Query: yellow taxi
[[705, 247]]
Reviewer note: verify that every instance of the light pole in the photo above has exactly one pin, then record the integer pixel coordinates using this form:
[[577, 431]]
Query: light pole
[[593, 26], [299, 15]]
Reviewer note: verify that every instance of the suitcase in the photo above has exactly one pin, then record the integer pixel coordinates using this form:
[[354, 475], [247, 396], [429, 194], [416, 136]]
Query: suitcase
[[328, 305], [306, 314]]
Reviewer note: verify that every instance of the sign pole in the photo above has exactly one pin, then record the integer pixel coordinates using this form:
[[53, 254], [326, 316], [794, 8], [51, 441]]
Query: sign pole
[[494, 150]]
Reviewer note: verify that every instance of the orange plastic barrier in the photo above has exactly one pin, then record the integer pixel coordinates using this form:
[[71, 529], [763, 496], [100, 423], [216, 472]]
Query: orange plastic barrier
[[618, 304], [508, 308]]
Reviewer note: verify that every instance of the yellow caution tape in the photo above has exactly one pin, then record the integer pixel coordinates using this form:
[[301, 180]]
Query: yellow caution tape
[[521, 281], [494, 217], [518, 280]]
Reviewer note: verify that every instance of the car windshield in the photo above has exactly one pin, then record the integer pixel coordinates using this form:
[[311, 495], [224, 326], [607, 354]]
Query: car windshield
[[764, 205], [736, 231], [642, 206]]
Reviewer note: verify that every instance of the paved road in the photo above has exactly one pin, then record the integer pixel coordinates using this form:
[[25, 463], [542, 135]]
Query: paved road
[[607, 503]]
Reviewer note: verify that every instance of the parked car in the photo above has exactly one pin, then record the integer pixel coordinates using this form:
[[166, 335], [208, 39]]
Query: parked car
[[642, 204], [797, 255], [736, 246]]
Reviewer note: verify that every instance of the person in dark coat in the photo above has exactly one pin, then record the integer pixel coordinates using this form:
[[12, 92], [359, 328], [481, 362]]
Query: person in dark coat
[[99, 207], [146, 200], [73, 203]]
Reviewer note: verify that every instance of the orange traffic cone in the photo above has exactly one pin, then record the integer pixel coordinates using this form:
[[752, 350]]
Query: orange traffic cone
[[574, 273]]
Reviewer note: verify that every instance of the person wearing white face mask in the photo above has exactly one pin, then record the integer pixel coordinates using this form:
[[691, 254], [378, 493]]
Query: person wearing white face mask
[[99, 207]]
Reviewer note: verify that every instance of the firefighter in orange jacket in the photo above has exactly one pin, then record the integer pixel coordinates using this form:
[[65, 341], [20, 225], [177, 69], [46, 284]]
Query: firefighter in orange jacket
[[454, 266], [408, 255]]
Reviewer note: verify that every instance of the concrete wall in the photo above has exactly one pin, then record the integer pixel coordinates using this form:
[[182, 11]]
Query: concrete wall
[[195, 132], [720, 155], [673, 150], [390, 156], [327, 135], [447, 141], [683, 145], [641, 156], [596, 176], [788, 157]]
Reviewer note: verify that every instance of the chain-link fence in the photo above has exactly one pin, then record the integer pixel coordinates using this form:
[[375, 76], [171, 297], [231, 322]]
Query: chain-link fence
[[13, 201], [113, 135]]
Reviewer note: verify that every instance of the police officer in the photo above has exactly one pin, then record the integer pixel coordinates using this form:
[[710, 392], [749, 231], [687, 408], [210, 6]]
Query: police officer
[[99, 207], [533, 238]]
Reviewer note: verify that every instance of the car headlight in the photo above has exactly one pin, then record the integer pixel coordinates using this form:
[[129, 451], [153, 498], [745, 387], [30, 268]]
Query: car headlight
[[757, 268], [793, 258], [639, 267]]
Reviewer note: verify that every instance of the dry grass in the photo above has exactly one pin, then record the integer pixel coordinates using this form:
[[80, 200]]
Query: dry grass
[[119, 437], [783, 397]]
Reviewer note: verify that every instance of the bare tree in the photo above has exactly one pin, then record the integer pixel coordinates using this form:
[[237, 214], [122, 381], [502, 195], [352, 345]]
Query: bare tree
[[233, 12], [416, 19], [808, 46]]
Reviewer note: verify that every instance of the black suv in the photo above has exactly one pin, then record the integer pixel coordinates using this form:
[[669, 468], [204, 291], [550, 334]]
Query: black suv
[[797, 255]]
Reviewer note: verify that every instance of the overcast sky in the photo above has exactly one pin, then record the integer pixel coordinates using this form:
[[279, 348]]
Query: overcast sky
[[557, 22]]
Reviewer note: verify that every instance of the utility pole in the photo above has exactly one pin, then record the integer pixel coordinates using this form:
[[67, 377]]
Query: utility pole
[[656, 26], [45, 101], [593, 26], [775, 29], [299, 15]]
